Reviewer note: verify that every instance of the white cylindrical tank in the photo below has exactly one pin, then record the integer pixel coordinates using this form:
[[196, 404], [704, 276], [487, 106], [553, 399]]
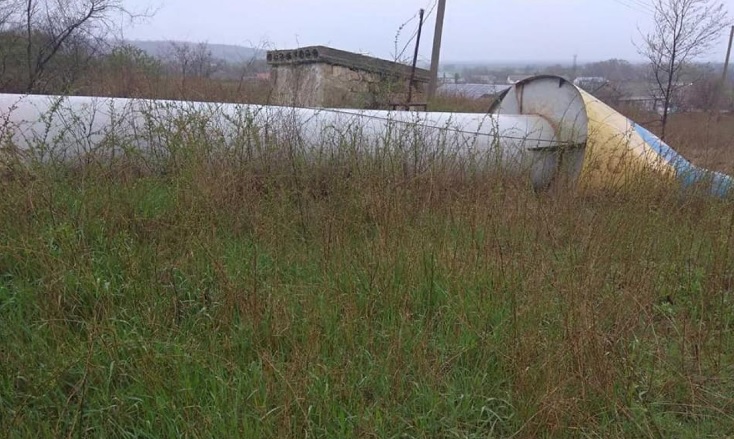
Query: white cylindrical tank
[[64, 128], [544, 127]]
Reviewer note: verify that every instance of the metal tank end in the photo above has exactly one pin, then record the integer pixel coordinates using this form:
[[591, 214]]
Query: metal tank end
[[560, 103], [599, 147]]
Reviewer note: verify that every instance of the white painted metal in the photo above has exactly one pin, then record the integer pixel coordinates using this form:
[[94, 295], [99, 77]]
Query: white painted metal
[[55, 127], [560, 103]]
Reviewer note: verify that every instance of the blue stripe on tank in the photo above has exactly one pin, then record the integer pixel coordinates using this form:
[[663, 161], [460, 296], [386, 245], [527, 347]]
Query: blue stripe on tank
[[687, 173]]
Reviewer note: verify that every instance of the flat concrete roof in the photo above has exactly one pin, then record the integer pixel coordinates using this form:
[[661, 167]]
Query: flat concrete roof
[[356, 61]]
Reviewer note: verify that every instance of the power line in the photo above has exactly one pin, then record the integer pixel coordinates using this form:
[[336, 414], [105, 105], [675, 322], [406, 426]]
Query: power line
[[410, 40], [626, 5], [646, 7], [631, 4], [402, 26]]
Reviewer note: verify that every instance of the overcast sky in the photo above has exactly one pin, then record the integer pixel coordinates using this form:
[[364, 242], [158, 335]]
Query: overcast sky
[[475, 30]]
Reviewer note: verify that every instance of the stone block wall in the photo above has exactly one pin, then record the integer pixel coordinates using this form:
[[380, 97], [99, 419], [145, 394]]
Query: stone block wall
[[327, 85], [298, 85]]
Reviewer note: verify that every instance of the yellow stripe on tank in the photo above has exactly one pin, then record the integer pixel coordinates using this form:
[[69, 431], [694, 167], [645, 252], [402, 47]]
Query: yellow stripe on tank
[[615, 153]]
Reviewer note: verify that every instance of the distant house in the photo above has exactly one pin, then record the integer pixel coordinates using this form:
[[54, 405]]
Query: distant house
[[319, 76], [591, 83], [450, 77], [639, 94], [472, 78], [486, 79], [647, 103], [472, 91]]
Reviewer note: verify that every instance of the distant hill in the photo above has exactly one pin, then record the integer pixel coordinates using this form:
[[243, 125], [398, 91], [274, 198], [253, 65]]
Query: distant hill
[[227, 52]]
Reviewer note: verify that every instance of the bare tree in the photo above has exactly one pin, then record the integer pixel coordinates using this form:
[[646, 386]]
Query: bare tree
[[683, 30], [9, 38], [129, 70], [192, 60], [705, 93], [615, 70], [203, 63], [179, 60], [53, 28], [6, 13]]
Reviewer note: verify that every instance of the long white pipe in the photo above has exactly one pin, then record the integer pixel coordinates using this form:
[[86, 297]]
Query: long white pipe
[[45, 127]]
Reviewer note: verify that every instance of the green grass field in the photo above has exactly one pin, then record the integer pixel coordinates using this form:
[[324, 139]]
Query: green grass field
[[348, 298]]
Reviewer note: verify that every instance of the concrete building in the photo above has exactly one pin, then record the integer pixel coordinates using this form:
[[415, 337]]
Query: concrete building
[[319, 76]]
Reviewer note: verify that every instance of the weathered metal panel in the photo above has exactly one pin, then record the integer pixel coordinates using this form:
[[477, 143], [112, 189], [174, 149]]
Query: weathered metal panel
[[545, 127], [54, 127], [619, 150], [616, 151]]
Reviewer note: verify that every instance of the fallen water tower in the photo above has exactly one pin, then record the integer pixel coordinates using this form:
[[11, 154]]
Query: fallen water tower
[[544, 128]]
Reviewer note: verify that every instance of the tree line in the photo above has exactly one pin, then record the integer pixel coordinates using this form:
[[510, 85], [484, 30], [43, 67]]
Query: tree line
[[75, 46]]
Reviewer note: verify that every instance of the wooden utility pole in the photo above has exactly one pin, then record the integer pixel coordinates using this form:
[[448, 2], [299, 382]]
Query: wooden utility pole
[[436, 49], [720, 99], [728, 54]]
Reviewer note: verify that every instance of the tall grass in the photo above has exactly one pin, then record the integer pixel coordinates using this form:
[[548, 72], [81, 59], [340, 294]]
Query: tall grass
[[271, 295]]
